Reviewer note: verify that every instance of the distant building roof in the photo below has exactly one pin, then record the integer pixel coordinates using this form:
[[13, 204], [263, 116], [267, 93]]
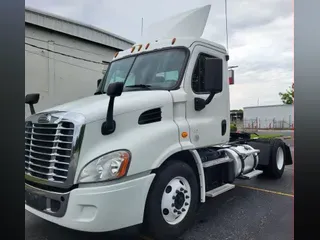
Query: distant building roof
[[266, 106], [75, 28]]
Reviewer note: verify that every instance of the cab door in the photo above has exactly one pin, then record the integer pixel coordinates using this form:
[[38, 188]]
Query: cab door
[[210, 125]]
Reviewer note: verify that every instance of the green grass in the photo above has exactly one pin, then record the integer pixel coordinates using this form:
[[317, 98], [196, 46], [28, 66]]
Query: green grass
[[266, 136]]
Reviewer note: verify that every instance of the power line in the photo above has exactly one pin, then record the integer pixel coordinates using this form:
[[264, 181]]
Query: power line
[[63, 54], [75, 65]]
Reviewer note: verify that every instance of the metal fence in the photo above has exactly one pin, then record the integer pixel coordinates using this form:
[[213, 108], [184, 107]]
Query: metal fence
[[267, 124]]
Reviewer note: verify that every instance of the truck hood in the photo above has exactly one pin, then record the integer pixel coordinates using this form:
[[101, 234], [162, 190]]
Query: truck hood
[[95, 107]]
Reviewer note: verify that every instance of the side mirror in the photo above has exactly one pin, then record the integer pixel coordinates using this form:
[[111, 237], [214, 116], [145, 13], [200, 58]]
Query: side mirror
[[213, 81], [31, 99], [213, 77], [98, 82], [114, 90]]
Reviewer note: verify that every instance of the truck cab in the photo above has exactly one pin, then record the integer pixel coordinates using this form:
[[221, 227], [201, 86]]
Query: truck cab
[[147, 147]]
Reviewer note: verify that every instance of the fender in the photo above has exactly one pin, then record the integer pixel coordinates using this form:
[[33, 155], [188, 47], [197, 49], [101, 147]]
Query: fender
[[202, 182], [194, 160]]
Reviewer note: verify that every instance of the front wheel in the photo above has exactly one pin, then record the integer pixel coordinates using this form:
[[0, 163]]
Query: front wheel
[[172, 201]]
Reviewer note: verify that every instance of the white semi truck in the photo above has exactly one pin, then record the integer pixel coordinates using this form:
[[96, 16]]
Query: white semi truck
[[150, 145]]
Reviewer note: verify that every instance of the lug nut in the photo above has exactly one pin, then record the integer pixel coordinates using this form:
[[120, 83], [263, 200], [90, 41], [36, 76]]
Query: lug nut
[[181, 189], [173, 197], [165, 211], [175, 211], [187, 197], [172, 205], [185, 191], [183, 210], [186, 204], [177, 191], [179, 212]]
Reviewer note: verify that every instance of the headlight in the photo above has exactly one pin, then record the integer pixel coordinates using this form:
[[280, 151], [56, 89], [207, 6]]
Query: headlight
[[107, 167]]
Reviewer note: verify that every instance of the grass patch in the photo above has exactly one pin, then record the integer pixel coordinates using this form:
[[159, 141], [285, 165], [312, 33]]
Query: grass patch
[[266, 136]]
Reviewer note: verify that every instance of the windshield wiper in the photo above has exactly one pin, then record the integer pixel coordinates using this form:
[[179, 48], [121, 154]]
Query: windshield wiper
[[139, 86]]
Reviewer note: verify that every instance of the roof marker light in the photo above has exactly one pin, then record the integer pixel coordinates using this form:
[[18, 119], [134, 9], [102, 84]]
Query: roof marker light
[[132, 49], [173, 41], [116, 54], [140, 46], [147, 46]]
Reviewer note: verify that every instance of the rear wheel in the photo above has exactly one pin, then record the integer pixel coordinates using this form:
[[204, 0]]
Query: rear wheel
[[276, 165], [172, 201]]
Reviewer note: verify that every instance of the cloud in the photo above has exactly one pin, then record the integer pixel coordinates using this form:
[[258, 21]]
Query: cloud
[[260, 35], [265, 58]]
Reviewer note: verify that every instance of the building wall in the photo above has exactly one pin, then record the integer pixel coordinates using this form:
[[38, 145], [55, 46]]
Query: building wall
[[269, 117], [60, 67]]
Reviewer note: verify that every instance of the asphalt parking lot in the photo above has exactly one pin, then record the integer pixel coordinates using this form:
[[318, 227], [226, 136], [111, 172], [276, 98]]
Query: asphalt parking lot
[[259, 209]]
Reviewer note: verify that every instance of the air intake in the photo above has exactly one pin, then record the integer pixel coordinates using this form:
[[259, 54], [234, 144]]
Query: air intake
[[150, 116]]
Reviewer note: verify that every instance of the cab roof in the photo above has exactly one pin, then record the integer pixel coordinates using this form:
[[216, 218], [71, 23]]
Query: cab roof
[[165, 44]]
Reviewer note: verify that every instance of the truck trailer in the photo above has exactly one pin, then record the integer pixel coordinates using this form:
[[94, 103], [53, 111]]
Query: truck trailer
[[150, 145]]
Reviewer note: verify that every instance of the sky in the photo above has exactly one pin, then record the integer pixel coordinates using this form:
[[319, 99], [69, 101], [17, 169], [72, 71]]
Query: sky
[[260, 35]]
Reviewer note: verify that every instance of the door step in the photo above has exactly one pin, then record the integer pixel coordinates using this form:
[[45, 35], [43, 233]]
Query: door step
[[251, 174], [219, 190]]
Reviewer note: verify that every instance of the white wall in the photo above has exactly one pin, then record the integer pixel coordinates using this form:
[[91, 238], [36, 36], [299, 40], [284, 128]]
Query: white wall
[[277, 116], [59, 78]]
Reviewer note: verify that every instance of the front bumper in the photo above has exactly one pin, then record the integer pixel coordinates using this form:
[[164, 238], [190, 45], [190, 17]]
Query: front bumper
[[103, 208]]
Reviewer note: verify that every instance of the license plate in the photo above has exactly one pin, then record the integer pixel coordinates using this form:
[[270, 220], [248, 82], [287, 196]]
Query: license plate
[[35, 201]]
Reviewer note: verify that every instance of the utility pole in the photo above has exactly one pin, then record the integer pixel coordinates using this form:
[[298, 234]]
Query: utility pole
[[226, 16], [141, 27]]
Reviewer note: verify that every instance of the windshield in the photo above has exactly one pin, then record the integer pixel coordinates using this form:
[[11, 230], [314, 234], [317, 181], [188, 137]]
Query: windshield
[[154, 70]]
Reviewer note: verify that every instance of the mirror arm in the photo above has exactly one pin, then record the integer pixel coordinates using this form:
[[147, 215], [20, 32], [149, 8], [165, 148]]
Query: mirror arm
[[200, 103], [32, 99], [209, 99], [114, 90], [32, 111], [109, 126]]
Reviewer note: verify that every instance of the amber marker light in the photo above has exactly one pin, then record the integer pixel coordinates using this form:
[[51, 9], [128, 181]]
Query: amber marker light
[[184, 134]]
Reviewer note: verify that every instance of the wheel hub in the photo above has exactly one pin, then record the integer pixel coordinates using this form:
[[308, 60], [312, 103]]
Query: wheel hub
[[176, 200], [179, 200]]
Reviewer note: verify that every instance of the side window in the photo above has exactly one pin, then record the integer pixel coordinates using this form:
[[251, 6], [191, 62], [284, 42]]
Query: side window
[[197, 81]]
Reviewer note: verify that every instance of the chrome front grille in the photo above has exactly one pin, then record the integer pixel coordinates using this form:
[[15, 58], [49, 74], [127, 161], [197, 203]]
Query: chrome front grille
[[49, 149]]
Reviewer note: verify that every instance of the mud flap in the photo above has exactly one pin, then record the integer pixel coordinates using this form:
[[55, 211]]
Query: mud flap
[[288, 158]]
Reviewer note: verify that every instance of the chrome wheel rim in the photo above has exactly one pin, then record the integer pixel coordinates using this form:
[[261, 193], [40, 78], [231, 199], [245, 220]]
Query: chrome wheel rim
[[176, 200], [280, 158]]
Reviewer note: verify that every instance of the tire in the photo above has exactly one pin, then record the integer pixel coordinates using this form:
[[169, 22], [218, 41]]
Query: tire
[[276, 164], [161, 202]]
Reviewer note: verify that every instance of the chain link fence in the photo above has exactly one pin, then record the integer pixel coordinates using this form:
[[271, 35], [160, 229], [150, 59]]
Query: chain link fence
[[254, 124]]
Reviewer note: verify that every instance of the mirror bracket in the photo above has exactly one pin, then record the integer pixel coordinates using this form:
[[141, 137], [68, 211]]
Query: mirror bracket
[[114, 90], [209, 99], [109, 126], [32, 99], [200, 103]]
